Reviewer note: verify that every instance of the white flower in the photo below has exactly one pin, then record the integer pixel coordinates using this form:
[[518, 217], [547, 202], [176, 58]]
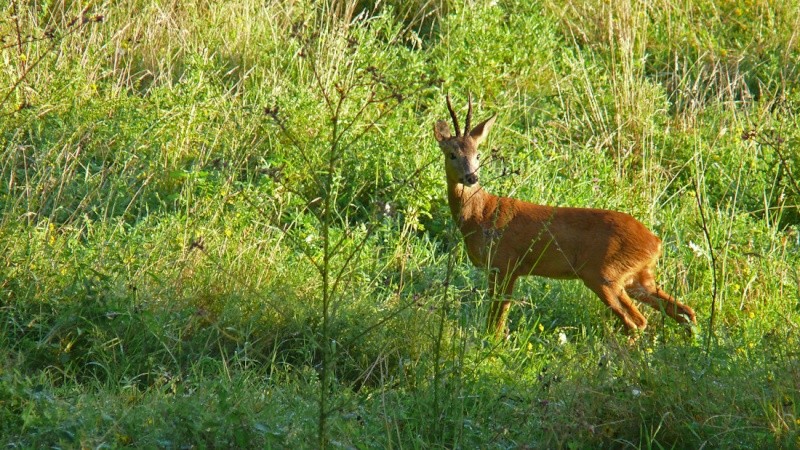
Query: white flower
[[698, 251]]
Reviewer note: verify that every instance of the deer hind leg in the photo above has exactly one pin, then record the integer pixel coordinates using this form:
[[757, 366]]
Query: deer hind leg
[[615, 297], [643, 288], [500, 285]]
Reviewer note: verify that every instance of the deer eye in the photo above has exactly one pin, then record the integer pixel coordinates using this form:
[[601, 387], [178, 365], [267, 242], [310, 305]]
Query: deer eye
[[452, 156]]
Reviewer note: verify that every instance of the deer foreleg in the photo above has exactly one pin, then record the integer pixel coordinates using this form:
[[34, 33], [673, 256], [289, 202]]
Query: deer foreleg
[[501, 286]]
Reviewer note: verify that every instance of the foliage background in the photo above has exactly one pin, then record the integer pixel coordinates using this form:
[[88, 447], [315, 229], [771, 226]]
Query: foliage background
[[223, 223]]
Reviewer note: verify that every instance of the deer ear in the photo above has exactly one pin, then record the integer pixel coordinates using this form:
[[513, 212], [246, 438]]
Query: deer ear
[[441, 131], [479, 133]]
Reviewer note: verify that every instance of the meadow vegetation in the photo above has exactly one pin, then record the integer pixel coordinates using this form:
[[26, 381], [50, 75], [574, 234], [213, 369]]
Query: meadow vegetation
[[224, 224]]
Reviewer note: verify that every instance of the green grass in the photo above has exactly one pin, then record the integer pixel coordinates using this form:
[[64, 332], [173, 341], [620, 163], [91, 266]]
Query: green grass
[[224, 223]]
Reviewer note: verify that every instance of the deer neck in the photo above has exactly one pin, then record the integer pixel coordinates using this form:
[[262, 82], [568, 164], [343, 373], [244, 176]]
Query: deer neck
[[467, 203]]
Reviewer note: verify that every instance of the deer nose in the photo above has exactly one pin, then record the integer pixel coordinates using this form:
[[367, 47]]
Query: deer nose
[[471, 178]]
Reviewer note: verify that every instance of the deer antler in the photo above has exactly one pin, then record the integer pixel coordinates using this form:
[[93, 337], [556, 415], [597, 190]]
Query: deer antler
[[469, 113], [453, 115]]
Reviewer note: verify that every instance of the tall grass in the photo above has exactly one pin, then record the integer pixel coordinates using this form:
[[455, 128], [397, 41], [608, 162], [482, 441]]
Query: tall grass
[[223, 223]]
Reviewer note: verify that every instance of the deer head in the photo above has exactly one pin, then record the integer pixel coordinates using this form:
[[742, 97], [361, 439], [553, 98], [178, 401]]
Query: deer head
[[461, 151]]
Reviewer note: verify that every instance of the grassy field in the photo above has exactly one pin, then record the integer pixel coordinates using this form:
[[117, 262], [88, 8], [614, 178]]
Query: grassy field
[[224, 224]]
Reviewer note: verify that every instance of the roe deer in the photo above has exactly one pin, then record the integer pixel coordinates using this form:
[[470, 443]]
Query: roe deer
[[611, 252]]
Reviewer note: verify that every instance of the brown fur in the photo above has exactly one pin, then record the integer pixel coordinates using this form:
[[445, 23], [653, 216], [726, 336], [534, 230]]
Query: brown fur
[[611, 252]]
